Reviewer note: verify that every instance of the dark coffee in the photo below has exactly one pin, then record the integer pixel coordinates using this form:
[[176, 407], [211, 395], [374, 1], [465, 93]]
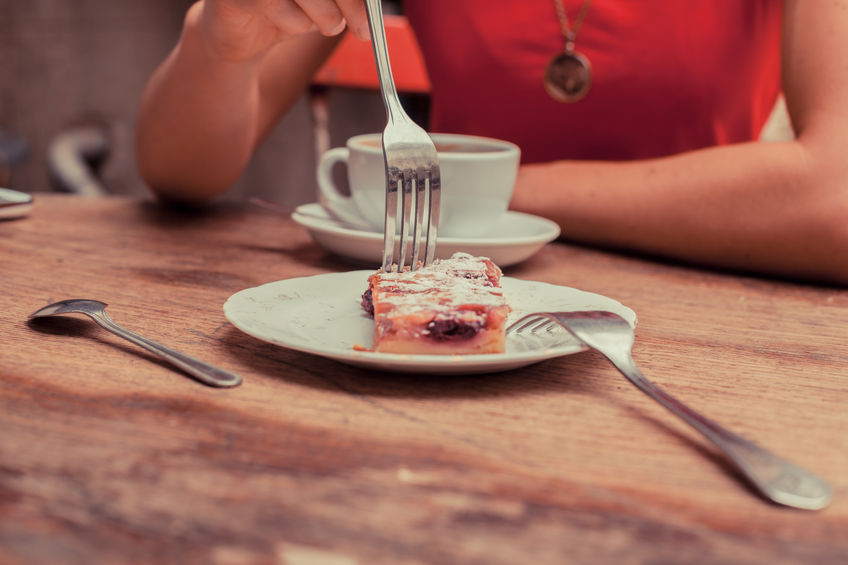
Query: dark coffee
[[470, 147]]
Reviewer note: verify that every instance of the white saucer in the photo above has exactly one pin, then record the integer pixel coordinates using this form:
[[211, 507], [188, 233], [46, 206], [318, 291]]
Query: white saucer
[[322, 315], [519, 236]]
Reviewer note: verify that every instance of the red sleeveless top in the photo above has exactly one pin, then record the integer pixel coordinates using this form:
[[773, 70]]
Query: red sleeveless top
[[668, 75]]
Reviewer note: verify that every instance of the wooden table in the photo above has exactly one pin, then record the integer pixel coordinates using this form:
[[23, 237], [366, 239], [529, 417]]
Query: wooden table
[[108, 456]]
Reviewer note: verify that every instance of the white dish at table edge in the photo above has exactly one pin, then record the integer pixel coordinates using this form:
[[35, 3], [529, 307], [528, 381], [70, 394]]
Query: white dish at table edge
[[515, 238], [322, 315], [14, 204]]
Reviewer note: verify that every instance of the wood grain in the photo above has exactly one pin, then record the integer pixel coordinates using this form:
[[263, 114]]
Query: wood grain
[[108, 456]]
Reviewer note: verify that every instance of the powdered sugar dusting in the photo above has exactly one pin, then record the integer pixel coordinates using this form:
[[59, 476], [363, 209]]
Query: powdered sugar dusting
[[461, 280]]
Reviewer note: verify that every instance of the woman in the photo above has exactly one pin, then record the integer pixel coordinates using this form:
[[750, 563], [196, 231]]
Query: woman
[[657, 153]]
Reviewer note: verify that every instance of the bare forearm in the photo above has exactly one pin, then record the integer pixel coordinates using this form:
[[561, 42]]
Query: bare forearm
[[222, 89], [198, 122], [770, 208]]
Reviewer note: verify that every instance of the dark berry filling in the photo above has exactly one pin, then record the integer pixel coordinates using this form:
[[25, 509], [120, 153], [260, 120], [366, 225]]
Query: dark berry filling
[[452, 329], [368, 302]]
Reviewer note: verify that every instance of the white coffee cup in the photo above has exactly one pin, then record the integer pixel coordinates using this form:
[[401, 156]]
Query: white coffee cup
[[477, 178]]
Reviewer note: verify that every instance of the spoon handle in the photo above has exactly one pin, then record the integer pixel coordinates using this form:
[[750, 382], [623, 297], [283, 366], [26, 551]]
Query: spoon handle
[[777, 479], [203, 372]]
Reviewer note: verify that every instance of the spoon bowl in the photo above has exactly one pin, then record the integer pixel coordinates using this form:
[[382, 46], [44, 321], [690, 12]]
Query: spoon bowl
[[74, 306]]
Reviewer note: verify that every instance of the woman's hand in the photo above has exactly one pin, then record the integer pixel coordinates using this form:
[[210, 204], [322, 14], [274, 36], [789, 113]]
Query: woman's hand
[[241, 30]]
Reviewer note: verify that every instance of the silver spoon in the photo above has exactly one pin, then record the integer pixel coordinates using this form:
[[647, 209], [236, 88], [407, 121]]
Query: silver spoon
[[96, 310]]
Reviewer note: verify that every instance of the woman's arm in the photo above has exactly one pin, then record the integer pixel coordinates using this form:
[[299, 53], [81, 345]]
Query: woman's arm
[[774, 208], [239, 65]]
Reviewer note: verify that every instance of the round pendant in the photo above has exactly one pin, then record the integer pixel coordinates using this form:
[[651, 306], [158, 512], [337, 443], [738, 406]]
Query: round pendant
[[568, 77]]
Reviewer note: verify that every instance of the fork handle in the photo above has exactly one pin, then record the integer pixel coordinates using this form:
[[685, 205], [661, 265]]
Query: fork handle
[[777, 479], [381, 56]]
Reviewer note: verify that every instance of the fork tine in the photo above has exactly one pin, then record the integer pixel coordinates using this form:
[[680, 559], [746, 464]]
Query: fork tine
[[421, 212], [434, 200], [545, 325], [524, 323], [390, 230], [405, 217], [530, 322]]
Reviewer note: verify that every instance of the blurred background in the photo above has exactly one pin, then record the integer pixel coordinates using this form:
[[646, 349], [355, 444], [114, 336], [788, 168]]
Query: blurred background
[[71, 78]]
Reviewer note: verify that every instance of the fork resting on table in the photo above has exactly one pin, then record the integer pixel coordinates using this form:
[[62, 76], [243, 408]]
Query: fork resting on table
[[612, 336]]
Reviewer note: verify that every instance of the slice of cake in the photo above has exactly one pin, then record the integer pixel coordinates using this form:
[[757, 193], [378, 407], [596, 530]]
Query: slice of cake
[[453, 306]]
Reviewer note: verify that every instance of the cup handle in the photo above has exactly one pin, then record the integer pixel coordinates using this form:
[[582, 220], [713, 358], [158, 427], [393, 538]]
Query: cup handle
[[337, 204]]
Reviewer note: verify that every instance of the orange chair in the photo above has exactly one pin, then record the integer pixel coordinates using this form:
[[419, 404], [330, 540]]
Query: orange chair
[[352, 66]]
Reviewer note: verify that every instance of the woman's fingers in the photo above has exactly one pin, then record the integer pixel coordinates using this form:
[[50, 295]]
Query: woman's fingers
[[325, 14], [241, 29], [294, 17], [354, 14], [287, 17], [332, 16]]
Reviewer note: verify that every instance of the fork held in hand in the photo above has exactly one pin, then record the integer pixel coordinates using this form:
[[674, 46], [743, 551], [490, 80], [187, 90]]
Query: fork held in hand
[[608, 333], [412, 168]]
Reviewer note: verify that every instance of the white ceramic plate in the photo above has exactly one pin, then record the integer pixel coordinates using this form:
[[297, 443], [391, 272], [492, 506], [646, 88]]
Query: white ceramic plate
[[322, 315], [516, 238], [14, 204]]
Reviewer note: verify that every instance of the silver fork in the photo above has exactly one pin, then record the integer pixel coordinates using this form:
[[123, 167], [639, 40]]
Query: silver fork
[[610, 334], [412, 165]]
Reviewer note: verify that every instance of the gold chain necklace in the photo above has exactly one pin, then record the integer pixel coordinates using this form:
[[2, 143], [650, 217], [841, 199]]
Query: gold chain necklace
[[568, 76]]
